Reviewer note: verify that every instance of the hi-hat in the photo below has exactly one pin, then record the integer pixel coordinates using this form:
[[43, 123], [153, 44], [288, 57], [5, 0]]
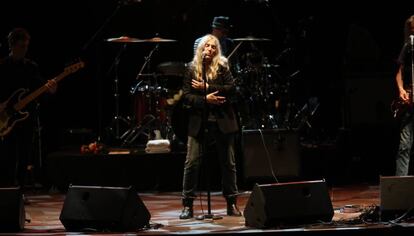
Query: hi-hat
[[125, 39], [251, 39], [158, 40]]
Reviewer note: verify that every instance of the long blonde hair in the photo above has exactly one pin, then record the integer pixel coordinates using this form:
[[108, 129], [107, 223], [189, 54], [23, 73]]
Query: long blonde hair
[[217, 60]]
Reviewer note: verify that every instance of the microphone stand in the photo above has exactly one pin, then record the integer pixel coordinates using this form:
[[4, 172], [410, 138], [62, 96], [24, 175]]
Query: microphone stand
[[204, 148], [412, 67]]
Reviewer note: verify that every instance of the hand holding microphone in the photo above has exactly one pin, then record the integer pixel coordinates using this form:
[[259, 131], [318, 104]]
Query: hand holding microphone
[[203, 56]]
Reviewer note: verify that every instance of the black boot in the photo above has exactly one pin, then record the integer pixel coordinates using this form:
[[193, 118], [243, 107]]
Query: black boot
[[232, 209], [187, 211]]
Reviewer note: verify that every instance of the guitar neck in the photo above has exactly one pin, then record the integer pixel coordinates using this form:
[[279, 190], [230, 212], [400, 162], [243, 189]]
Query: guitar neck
[[32, 96], [26, 100]]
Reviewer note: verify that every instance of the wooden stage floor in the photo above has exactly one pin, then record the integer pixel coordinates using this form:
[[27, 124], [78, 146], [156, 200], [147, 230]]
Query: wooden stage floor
[[43, 211]]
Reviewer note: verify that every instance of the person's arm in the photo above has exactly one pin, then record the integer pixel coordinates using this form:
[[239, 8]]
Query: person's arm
[[40, 80], [398, 77], [400, 85], [191, 98], [226, 87], [193, 95]]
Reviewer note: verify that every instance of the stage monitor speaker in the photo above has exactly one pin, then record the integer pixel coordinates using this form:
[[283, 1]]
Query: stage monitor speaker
[[12, 213], [293, 203], [99, 208], [267, 150], [396, 196]]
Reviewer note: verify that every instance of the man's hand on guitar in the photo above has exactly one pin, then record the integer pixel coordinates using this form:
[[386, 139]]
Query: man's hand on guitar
[[52, 86]]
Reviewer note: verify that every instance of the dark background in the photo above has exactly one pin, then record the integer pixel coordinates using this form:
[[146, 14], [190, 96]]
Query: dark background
[[345, 53]]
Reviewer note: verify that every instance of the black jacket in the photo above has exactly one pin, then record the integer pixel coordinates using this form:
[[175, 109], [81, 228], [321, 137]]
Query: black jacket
[[224, 114]]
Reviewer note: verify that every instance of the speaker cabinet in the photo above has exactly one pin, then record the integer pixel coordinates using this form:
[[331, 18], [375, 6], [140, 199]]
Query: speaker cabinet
[[103, 209], [396, 196], [267, 151], [12, 213], [292, 203]]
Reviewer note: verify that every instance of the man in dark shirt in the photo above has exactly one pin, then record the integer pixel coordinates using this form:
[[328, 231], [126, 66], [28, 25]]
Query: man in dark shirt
[[18, 146], [404, 79]]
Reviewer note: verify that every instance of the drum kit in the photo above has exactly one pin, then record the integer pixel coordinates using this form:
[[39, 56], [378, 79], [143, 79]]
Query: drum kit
[[259, 94], [149, 93]]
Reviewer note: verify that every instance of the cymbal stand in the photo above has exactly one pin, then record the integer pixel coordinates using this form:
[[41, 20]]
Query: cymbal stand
[[147, 60], [132, 134], [291, 106], [115, 66]]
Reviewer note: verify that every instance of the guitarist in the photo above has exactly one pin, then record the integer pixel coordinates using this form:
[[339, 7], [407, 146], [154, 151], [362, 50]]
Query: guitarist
[[19, 148], [405, 84]]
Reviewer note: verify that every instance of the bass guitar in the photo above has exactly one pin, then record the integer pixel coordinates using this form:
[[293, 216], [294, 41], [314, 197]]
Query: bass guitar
[[11, 110]]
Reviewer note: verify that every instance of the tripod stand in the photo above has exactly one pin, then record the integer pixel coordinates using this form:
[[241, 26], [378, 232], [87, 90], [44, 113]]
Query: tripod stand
[[144, 127], [117, 118]]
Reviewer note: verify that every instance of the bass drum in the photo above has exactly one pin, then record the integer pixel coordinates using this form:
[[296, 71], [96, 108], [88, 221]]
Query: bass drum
[[179, 121], [150, 101]]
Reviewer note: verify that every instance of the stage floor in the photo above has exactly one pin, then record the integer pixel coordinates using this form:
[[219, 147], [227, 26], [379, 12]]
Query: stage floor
[[43, 211]]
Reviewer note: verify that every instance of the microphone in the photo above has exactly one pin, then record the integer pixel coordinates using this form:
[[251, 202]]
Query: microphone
[[203, 58], [412, 42]]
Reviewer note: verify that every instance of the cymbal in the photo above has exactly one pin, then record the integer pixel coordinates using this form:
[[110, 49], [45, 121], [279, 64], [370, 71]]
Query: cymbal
[[251, 39], [158, 40], [124, 39]]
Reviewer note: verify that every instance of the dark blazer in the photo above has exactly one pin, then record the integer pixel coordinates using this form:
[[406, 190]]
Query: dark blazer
[[224, 113]]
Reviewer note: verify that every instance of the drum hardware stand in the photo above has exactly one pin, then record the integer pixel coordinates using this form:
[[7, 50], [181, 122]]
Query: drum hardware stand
[[115, 66], [287, 122], [132, 134]]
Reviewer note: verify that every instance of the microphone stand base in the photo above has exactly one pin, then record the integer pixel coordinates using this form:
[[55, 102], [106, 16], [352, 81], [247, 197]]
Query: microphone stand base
[[208, 216]]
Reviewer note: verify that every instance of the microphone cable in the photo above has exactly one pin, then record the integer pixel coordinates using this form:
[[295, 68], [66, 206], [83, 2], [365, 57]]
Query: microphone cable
[[268, 156]]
